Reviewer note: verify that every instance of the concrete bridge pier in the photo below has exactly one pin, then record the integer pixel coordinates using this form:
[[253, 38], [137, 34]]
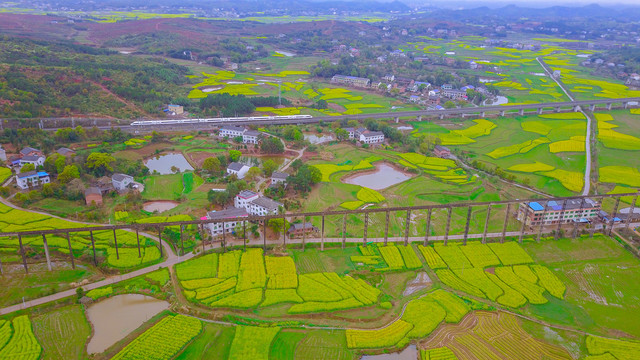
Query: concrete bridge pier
[[24, 257], [524, 224], [576, 108], [322, 235], [46, 252], [560, 219], [482, 114], [427, 229], [502, 113], [633, 203], [609, 106], [613, 216], [557, 109], [504, 226], [544, 213], [73, 263], [486, 225], [396, 119], [446, 231], [386, 229], [344, 230], [115, 241], [406, 228], [625, 105], [539, 111], [304, 233], [441, 116], [575, 224], [419, 117], [366, 222], [592, 107], [93, 246], [466, 228], [521, 112]]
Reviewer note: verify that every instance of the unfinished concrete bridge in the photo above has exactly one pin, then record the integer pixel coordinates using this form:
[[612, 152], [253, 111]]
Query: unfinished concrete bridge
[[507, 210]]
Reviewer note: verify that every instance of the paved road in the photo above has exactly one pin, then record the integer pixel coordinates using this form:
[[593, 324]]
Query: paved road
[[587, 172]]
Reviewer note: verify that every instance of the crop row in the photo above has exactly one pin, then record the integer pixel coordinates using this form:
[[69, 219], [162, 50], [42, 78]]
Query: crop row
[[281, 272], [23, 344], [199, 268], [251, 274], [531, 291], [391, 256], [442, 353], [433, 259], [252, 342], [228, 264], [480, 255], [381, 338], [163, 340], [621, 349]]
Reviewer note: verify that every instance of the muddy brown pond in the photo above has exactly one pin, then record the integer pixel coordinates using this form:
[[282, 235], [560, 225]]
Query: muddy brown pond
[[114, 318]]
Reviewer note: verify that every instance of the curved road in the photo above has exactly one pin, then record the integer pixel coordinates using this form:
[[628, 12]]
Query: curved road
[[587, 169]]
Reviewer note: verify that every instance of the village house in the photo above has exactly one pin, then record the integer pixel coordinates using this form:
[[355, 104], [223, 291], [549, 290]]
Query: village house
[[230, 132], [455, 94], [238, 169], [31, 179], [93, 196], [351, 81], [351, 132], [3, 154], [29, 151], [299, 229], [175, 109], [216, 228], [371, 137], [243, 199], [264, 206], [250, 137], [279, 178], [121, 182], [65, 151], [441, 151], [36, 160], [420, 86], [553, 212]]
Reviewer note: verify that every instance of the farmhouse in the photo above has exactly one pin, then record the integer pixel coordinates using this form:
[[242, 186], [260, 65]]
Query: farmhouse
[[455, 94], [29, 151], [351, 80], [36, 160], [93, 196], [32, 179], [175, 109], [250, 136], [264, 206], [231, 131], [371, 137], [278, 178], [121, 181], [554, 212], [441, 151], [229, 226], [237, 169], [65, 151], [351, 132], [243, 199], [301, 228]]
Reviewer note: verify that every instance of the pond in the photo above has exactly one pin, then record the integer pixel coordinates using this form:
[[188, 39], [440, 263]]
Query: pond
[[114, 318], [382, 177], [318, 139], [258, 160], [411, 352], [163, 163], [159, 206]]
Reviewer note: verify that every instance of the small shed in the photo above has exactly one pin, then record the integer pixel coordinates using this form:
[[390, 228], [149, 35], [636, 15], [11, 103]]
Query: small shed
[[93, 196]]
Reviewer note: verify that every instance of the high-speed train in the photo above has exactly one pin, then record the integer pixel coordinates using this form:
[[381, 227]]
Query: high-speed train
[[218, 120]]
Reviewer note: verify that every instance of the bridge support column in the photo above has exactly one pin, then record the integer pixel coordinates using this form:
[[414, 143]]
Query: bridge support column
[[633, 206], [441, 116], [115, 241], [138, 240], [446, 231], [482, 113], [244, 238], [557, 109], [486, 225], [544, 213], [613, 216], [181, 241], [46, 252], [264, 234], [521, 112], [344, 230], [560, 219], [24, 257], [396, 119], [576, 108], [406, 228], [466, 228], [284, 232], [609, 106], [93, 245], [322, 235], [575, 225], [224, 239], [304, 231], [524, 223], [504, 226], [419, 117], [625, 105], [539, 111], [502, 113], [592, 107], [427, 229], [366, 222], [73, 263], [386, 229]]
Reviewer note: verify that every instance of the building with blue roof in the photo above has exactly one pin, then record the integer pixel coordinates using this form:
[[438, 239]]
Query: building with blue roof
[[554, 212], [31, 179]]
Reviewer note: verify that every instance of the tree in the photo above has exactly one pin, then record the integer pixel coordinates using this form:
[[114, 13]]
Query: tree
[[75, 189], [292, 133], [27, 167], [212, 165], [253, 173], [342, 134], [272, 145], [277, 225], [449, 105], [60, 163], [234, 155], [174, 169], [296, 164], [100, 163], [69, 173], [305, 178], [269, 167]]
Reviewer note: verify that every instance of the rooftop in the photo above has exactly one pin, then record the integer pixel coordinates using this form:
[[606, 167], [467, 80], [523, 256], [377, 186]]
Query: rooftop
[[247, 194], [31, 158], [27, 150], [570, 204], [229, 213], [236, 166], [279, 175], [92, 191], [251, 133], [232, 128], [121, 177], [267, 203]]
